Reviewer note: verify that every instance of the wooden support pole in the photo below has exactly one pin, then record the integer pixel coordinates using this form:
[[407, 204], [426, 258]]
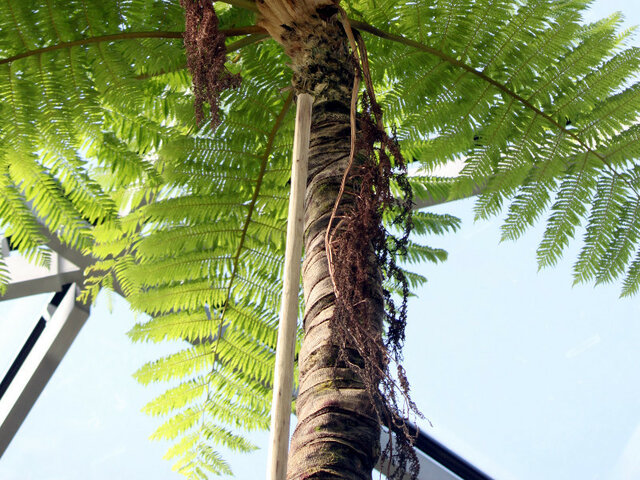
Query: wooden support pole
[[283, 377]]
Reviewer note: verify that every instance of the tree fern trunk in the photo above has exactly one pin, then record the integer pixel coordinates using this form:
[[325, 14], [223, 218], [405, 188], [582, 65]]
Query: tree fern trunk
[[337, 434]]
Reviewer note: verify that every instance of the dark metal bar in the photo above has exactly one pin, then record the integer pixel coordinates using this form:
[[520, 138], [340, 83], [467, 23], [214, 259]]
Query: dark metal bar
[[31, 341], [22, 355], [38, 359], [445, 457]]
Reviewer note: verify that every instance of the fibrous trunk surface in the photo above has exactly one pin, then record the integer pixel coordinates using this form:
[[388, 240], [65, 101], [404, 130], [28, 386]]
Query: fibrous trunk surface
[[337, 435]]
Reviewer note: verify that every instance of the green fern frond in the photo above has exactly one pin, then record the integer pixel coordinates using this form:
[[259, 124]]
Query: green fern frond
[[5, 276], [537, 131]]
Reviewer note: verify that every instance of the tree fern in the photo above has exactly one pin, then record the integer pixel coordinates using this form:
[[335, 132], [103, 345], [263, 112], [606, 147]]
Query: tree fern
[[98, 141]]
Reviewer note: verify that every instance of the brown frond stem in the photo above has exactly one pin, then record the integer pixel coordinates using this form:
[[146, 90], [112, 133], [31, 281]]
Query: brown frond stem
[[328, 238], [252, 205], [89, 40], [229, 32], [365, 27], [364, 56]]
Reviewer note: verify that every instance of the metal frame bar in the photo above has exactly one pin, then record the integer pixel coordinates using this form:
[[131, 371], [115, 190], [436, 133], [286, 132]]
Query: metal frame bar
[[450, 460], [436, 461], [29, 279], [30, 372]]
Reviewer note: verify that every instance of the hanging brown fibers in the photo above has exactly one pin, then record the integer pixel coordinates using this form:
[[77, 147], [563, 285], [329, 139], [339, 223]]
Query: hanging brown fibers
[[362, 255], [206, 57]]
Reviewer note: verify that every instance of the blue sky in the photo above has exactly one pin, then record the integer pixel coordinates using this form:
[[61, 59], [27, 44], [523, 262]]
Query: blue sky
[[525, 375]]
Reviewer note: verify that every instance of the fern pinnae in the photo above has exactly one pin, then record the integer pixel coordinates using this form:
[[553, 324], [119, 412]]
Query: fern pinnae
[[253, 320], [185, 295], [433, 223], [17, 21], [189, 238], [265, 158], [512, 169], [428, 187], [570, 206], [192, 266], [525, 209], [620, 149], [20, 132], [225, 437], [612, 114], [178, 424], [510, 93], [85, 194], [49, 202], [518, 156], [553, 39], [239, 353], [514, 27], [600, 230], [481, 162], [5, 275], [188, 361], [218, 350], [242, 389], [177, 398], [631, 283], [481, 68], [185, 325], [261, 288], [619, 250], [236, 415], [419, 253], [420, 78], [18, 222], [454, 8], [479, 22], [597, 36], [623, 64], [196, 209]]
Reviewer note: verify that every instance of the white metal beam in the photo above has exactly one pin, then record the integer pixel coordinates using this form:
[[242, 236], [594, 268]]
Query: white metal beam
[[29, 279], [27, 377]]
